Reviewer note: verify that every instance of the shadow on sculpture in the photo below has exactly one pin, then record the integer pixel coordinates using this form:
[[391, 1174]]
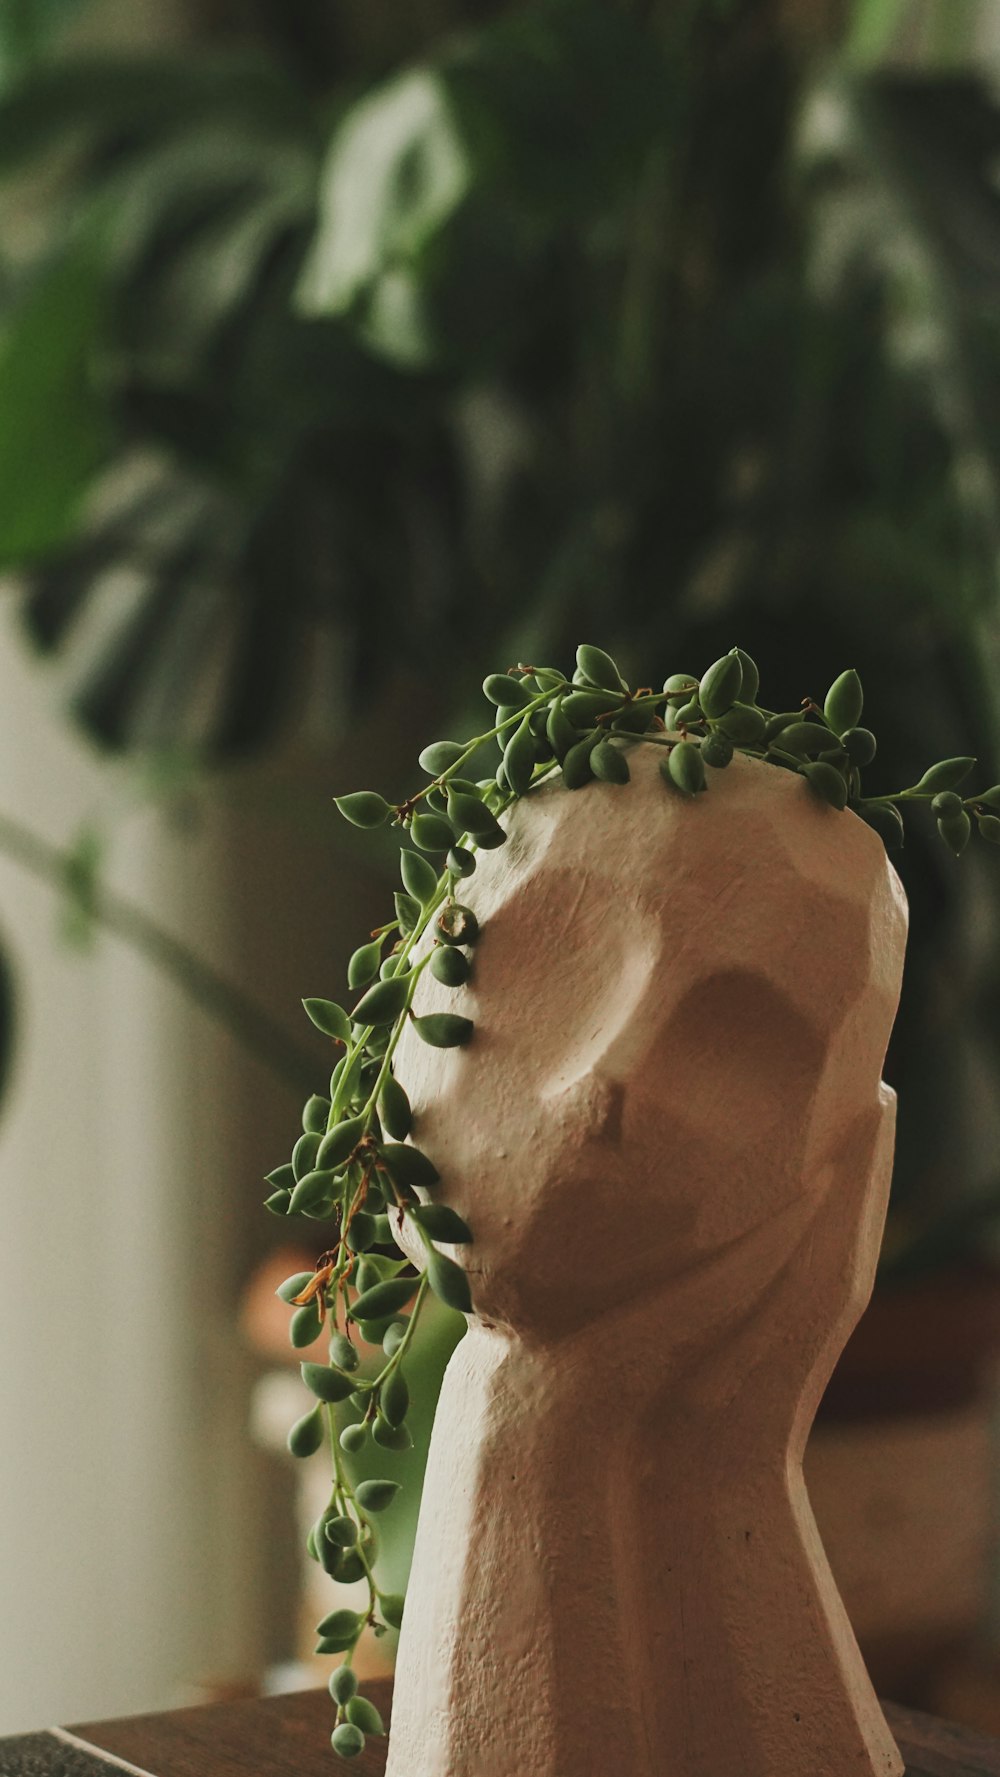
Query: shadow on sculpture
[[672, 1143]]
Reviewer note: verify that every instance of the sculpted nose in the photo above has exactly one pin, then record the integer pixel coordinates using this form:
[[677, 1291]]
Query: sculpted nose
[[592, 1105]]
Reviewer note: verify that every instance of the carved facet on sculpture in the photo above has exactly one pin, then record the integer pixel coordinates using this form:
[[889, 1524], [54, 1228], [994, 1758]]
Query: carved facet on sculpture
[[671, 1139]]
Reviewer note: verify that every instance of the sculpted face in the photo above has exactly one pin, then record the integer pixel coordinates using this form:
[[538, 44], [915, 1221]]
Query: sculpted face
[[670, 1115], [672, 1040]]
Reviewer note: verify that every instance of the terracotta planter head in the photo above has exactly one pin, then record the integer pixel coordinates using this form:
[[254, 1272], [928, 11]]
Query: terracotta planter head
[[681, 1007], [671, 1141]]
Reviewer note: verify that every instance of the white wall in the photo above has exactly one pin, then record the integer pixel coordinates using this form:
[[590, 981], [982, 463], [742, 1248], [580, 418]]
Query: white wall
[[129, 1496], [145, 1545]]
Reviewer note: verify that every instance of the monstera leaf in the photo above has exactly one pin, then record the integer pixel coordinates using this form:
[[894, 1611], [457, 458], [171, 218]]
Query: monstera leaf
[[201, 483], [907, 206], [444, 189], [25, 29], [182, 617], [54, 430], [398, 172]]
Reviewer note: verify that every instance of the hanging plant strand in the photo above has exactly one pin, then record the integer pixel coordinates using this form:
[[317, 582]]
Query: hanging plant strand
[[355, 1167]]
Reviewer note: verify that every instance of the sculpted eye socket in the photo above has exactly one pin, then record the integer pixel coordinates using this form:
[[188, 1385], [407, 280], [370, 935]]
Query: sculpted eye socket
[[749, 1053]]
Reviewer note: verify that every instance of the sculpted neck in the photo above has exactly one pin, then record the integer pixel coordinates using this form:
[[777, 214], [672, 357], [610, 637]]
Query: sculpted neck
[[602, 1575]]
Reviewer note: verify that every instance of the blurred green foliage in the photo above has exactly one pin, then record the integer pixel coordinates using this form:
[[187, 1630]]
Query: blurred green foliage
[[461, 332]]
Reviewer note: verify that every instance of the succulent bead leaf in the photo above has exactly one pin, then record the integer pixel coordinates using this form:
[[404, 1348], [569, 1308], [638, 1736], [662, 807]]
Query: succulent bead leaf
[[383, 1298], [679, 687], [441, 1222], [456, 924], [343, 1353], [305, 1326], [376, 1496], [805, 739], [743, 724], [392, 1606], [721, 685], [343, 1684], [407, 913], [432, 832], [519, 758], [384, 1002], [419, 877], [307, 1434], [609, 763], [409, 1165], [394, 1397], [340, 1141], [508, 692], [443, 1030], [860, 745], [886, 820], [584, 708], [684, 768], [844, 702], [314, 1114], [347, 1740], [312, 1192], [440, 756], [364, 1715], [364, 808], [598, 668], [717, 750], [449, 1281], [328, 1017], [827, 782], [450, 966], [460, 861], [956, 831], [559, 730], [391, 1437], [394, 1110], [304, 1153], [294, 1285], [326, 1383], [362, 968], [751, 677], [947, 775]]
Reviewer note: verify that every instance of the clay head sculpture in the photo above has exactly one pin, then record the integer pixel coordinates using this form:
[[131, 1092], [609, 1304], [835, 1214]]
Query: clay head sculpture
[[646, 1106], [676, 1161]]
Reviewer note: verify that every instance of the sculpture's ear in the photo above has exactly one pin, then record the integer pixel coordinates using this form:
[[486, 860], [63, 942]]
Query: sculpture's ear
[[853, 1194], [839, 1249]]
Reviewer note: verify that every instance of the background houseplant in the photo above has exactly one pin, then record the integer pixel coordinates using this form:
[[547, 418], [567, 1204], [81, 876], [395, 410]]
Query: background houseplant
[[726, 367], [334, 414]]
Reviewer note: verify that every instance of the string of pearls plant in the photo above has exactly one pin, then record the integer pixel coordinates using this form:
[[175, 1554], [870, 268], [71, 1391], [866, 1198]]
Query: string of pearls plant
[[355, 1168]]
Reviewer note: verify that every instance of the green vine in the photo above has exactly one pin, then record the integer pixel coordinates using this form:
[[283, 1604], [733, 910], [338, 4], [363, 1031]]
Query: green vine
[[354, 1165]]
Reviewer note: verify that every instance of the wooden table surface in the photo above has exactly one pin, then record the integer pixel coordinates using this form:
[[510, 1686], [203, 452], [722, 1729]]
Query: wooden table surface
[[288, 1736]]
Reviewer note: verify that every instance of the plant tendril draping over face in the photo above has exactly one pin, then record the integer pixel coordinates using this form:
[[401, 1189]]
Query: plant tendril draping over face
[[355, 1169]]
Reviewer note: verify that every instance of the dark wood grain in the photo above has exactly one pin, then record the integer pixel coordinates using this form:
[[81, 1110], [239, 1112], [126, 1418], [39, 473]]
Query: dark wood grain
[[279, 1736], [285, 1736]]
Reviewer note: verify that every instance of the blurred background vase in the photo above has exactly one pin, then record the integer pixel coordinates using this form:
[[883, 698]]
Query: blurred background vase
[[345, 353]]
